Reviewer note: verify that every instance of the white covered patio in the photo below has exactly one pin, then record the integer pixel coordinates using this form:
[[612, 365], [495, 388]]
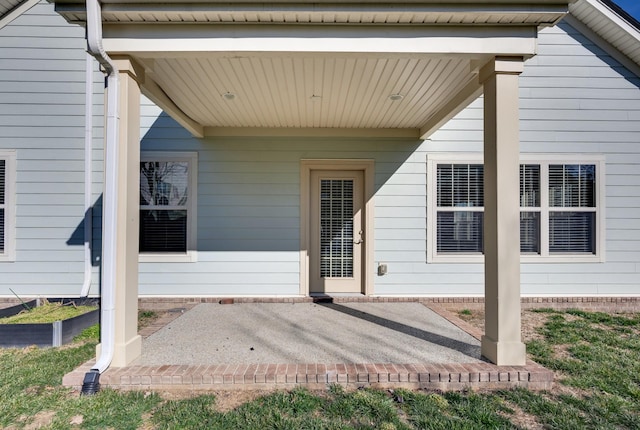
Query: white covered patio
[[363, 68]]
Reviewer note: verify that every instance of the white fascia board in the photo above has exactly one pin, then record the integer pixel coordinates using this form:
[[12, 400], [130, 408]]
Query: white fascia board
[[614, 17], [187, 40]]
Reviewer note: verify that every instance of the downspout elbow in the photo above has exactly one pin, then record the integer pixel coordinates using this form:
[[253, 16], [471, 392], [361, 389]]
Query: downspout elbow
[[94, 37]]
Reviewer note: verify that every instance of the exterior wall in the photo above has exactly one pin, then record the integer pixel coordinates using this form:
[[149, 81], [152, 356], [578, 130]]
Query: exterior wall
[[575, 99], [249, 207], [42, 105]]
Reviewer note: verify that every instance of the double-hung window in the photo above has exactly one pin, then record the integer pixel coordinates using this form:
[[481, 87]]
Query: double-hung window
[[167, 206], [7, 204], [561, 208], [460, 202]]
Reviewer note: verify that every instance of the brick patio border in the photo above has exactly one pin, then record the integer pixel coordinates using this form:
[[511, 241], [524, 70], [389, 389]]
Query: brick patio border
[[444, 377]]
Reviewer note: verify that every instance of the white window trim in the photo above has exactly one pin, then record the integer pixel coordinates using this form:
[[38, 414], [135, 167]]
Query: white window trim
[[544, 159], [9, 253], [191, 256]]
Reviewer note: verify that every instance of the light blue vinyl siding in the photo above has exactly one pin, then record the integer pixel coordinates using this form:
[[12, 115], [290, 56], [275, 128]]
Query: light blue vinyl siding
[[249, 207], [42, 108], [574, 98]]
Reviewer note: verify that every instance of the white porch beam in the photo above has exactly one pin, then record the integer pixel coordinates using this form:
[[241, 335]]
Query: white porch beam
[[180, 40], [154, 93], [399, 133], [501, 342]]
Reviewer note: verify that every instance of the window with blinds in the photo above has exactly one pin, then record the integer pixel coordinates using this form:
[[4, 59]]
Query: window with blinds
[[460, 202], [558, 208], [530, 208], [165, 205], [336, 228], [572, 208]]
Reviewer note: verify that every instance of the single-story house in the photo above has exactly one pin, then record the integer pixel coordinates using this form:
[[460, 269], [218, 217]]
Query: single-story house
[[248, 148]]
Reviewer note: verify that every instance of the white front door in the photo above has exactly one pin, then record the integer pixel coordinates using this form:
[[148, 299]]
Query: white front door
[[337, 231]]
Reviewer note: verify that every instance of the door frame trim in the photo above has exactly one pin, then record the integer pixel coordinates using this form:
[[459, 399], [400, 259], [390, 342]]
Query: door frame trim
[[367, 166]]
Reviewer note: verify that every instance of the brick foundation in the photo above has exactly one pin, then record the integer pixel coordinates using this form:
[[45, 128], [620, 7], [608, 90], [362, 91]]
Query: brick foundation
[[602, 304]]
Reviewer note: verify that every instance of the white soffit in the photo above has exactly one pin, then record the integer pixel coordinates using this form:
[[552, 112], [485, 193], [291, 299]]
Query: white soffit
[[11, 9], [610, 26], [303, 91], [511, 12], [381, 67], [7, 5]]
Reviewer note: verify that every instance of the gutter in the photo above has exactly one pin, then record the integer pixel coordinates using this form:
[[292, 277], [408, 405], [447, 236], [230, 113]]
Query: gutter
[[91, 383]]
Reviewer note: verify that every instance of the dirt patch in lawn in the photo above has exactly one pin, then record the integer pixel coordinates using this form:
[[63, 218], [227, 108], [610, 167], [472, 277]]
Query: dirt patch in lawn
[[531, 321]]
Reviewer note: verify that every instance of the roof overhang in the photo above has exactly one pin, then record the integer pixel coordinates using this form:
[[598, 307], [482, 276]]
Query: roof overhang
[[610, 27], [11, 9], [358, 68], [447, 12]]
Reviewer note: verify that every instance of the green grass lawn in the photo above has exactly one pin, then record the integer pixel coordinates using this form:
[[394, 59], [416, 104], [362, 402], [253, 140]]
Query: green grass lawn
[[595, 357]]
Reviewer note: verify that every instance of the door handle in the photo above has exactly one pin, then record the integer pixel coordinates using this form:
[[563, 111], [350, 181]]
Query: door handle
[[359, 240]]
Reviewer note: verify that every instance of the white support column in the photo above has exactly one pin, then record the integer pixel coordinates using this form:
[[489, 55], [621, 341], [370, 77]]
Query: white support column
[[128, 344], [501, 342]]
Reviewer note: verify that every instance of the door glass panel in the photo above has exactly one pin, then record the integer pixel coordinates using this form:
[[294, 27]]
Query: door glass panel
[[336, 228]]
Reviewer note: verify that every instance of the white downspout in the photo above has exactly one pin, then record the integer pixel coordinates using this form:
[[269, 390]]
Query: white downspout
[[88, 158], [107, 302]]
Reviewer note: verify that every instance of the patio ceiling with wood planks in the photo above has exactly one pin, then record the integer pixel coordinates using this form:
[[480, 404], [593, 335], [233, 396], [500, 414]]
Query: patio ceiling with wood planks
[[362, 67]]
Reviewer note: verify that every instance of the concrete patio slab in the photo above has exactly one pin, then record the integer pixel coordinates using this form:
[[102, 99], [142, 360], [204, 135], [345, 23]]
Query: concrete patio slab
[[248, 333], [270, 345]]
